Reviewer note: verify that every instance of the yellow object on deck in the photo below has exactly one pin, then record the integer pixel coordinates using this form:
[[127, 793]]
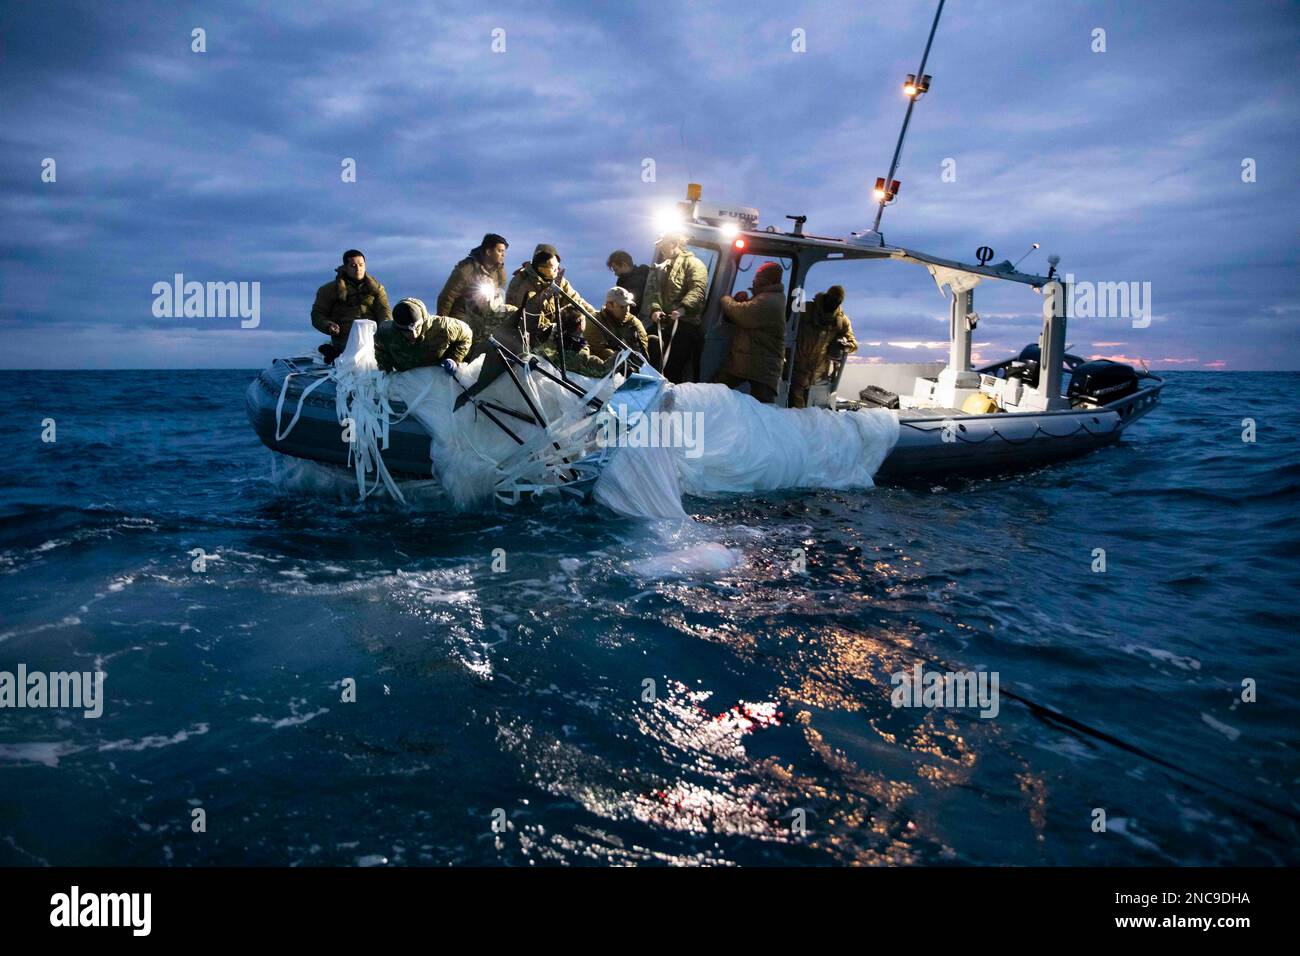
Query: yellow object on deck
[[979, 405]]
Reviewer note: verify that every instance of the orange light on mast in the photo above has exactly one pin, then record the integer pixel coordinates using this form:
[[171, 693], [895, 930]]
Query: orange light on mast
[[885, 195], [739, 243]]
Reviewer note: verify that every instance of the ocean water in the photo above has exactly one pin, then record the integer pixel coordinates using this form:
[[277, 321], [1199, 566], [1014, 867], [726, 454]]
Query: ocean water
[[627, 693]]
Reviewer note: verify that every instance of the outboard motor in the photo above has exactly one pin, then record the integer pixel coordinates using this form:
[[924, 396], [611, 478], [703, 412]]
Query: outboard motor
[[1102, 381]]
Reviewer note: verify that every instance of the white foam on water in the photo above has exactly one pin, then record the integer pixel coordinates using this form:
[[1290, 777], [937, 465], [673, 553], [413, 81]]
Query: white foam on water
[[1177, 660], [300, 476], [70, 621], [296, 716], [42, 752], [1232, 733], [1125, 827], [293, 721], [698, 560], [155, 741]]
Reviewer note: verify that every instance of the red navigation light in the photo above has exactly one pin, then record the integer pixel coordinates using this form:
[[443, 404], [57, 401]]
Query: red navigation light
[[739, 243], [885, 195]]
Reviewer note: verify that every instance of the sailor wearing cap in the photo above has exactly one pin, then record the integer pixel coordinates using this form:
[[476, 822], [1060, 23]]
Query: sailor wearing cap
[[413, 338], [674, 301]]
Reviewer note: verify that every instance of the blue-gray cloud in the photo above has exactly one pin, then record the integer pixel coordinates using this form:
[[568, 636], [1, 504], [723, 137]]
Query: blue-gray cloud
[[225, 165]]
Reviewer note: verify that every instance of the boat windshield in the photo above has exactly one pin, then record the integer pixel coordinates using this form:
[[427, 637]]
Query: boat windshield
[[748, 265], [709, 256]]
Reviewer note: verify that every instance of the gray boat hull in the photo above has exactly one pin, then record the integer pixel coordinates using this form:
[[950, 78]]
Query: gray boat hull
[[939, 443], [992, 444], [931, 444], [318, 436]]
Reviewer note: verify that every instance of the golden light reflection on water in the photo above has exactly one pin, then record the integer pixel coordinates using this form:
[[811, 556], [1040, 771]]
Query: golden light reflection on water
[[705, 782], [1034, 788], [865, 807], [711, 790], [876, 783], [837, 663]]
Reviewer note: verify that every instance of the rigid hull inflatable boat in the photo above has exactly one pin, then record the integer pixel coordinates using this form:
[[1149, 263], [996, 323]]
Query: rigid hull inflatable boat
[[948, 418], [932, 442], [544, 430]]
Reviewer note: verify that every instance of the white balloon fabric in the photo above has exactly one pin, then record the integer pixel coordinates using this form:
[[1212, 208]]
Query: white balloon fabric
[[700, 439], [746, 446], [359, 355]]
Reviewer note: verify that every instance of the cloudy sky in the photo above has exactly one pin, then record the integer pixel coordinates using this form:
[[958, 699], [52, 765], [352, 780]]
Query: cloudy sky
[[226, 165]]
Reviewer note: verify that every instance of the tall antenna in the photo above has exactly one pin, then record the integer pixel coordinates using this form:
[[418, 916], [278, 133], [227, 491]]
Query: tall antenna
[[685, 155], [914, 87]]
